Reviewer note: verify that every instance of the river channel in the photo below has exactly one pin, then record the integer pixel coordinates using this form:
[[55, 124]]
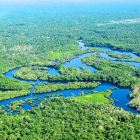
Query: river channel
[[121, 95]]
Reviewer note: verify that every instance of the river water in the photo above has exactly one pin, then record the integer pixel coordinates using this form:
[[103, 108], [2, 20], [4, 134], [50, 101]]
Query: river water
[[121, 95]]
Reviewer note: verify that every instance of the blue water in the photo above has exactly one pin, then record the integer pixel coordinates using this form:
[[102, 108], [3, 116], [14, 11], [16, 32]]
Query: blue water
[[77, 62], [82, 45], [106, 56], [10, 74], [121, 95], [53, 71], [135, 64], [66, 93], [133, 56]]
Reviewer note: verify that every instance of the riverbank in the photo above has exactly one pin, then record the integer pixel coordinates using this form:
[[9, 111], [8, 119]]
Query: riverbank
[[135, 98], [70, 118], [88, 67]]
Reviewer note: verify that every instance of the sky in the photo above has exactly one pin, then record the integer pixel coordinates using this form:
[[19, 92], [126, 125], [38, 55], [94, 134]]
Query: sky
[[67, 1], [24, 3]]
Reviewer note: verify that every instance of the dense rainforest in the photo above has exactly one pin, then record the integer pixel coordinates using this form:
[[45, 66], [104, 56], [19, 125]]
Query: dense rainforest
[[36, 39], [71, 118]]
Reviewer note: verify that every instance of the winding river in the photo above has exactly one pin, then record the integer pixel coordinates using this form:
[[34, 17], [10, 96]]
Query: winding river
[[121, 95]]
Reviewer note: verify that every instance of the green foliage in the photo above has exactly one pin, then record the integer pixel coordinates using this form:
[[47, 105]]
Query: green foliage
[[29, 73], [134, 60], [96, 97], [119, 56], [12, 94], [135, 98], [45, 34], [49, 87], [69, 70], [124, 75], [115, 36], [64, 54], [121, 74], [12, 84], [59, 118]]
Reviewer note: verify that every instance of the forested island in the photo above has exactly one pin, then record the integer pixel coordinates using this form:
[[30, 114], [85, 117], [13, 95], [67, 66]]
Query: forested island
[[70, 72]]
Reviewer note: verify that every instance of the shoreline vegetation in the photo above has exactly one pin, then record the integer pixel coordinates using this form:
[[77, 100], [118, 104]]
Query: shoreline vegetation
[[96, 97], [134, 60], [37, 39], [135, 98], [62, 115], [112, 46], [50, 87], [13, 94], [74, 75]]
